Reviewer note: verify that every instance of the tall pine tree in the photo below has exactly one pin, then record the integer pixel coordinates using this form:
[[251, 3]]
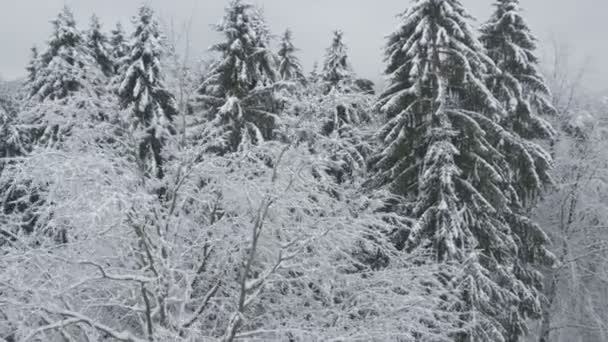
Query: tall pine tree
[[313, 76], [33, 65], [338, 82], [238, 94], [97, 43], [63, 81], [118, 47], [337, 71], [519, 84], [66, 66], [11, 139], [143, 93], [290, 68], [437, 151], [65, 93], [521, 88]]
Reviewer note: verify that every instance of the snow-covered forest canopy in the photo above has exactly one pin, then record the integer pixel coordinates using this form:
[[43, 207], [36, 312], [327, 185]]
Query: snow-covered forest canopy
[[146, 197]]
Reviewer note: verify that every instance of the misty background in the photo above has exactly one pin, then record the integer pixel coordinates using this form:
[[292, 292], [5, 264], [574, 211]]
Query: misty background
[[578, 27]]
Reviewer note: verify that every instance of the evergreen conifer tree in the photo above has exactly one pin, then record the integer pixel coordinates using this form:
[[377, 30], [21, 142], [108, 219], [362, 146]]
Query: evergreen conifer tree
[[66, 66], [118, 46], [98, 45], [438, 152], [238, 93], [338, 81], [143, 93], [521, 88], [62, 81], [313, 76], [340, 114], [11, 139], [519, 84], [524, 94], [289, 64], [65, 92], [337, 71], [33, 65]]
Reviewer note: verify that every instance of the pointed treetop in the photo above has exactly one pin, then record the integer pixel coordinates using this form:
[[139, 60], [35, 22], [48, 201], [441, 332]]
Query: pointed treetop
[[245, 20], [97, 43], [118, 44], [336, 67], [144, 19], [289, 65], [286, 45], [95, 24], [519, 84], [435, 40], [146, 14], [142, 90], [65, 18], [32, 67], [506, 25], [143, 76], [246, 60], [65, 31], [238, 95], [118, 29], [66, 66]]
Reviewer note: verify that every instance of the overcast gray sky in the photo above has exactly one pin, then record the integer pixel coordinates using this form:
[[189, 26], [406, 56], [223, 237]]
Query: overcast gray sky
[[581, 24]]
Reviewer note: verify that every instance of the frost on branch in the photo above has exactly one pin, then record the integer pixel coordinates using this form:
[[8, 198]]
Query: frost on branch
[[237, 248], [335, 125]]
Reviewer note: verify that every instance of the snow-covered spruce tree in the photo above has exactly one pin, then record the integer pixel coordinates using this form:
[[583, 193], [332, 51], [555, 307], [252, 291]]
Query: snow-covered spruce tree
[[65, 94], [521, 88], [338, 81], [313, 76], [337, 72], [238, 95], [33, 66], [289, 68], [142, 91], [63, 78], [519, 83], [65, 67], [11, 138], [99, 47], [119, 48], [437, 152], [334, 114]]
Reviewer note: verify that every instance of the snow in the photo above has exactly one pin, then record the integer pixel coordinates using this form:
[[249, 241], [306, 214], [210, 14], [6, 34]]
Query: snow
[[147, 197]]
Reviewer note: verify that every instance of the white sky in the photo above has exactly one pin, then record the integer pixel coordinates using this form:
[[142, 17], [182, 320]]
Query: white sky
[[580, 24]]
